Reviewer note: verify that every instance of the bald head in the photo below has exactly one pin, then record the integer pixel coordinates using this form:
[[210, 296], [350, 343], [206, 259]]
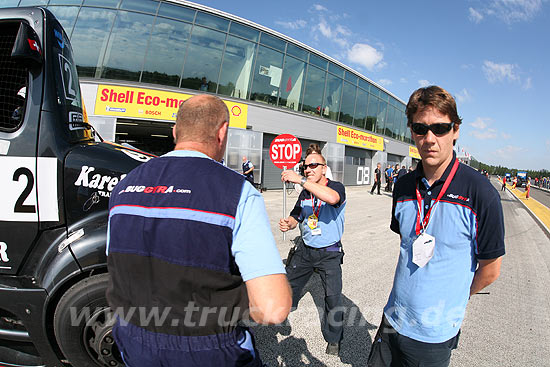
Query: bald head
[[199, 119]]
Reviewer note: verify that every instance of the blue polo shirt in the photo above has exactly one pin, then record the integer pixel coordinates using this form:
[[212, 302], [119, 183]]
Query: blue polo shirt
[[331, 217], [428, 304]]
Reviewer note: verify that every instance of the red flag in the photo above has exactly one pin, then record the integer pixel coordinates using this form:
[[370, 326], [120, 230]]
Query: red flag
[[289, 84]]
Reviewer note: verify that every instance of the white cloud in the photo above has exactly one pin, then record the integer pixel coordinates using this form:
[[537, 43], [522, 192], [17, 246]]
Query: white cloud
[[499, 72], [365, 55], [505, 135], [424, 83], [403, 80], [508, 151], [508, 11], [385, 82], [297, 24], [475, 16], [528, 84], [484, 134], [463, 96], [319, 7], [481, 123]]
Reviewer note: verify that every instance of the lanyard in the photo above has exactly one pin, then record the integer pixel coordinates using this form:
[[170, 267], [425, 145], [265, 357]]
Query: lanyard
[[422, 224], [313, 204]]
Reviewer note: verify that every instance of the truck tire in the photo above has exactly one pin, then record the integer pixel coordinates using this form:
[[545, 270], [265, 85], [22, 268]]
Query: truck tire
[[83, 323]]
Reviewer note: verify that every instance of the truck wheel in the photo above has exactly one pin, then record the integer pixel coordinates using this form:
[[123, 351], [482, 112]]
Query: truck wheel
[[83, 324]]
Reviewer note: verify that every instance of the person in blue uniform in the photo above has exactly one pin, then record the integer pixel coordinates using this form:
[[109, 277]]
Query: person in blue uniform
[[319, 211], [190, 242], [450, 222], [248, 170]]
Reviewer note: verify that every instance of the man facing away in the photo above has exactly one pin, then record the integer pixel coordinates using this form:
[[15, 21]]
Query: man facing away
[[377, 179], [451, 226], [320, 211], [189, 240]]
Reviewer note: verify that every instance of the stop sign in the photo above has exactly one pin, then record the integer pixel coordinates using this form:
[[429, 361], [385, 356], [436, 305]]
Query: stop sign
[[285, 151]]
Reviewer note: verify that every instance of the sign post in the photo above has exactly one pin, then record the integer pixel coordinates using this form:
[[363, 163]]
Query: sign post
[[285, 151]]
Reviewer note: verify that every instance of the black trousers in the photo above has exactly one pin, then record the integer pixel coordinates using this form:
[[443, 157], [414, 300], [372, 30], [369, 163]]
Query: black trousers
[[376, 184], [391, 349], [328, 264]]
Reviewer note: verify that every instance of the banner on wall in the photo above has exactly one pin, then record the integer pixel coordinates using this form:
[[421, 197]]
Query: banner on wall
[[141, 103], [348, 136], [413, 152]]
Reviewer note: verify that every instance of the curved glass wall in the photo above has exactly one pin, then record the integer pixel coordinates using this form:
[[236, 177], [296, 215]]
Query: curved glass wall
[[159, 42]]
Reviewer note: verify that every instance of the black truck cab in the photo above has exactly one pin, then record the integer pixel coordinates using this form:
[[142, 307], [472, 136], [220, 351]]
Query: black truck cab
[[56, 180]]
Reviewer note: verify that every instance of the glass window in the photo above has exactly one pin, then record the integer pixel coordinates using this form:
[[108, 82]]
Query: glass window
[[372, 112], [127, 45], [236, 68], [169, 39], [9, 4], [313, 94], [89, 39], [384, 96], [267, 76], [333, 96], [389, 128], [296, 51], [33, 2], [361, 104], [292, 83], [348, 104], [273, 42], [350, 77], [65, 2], [66, 16], [241, 30], [407, 131], [104, 3], [212, 21], [374, 90], [364, 84], [381, 117], [176, 11], [335, 69], [318, 61], [146, 6], [203, 60]]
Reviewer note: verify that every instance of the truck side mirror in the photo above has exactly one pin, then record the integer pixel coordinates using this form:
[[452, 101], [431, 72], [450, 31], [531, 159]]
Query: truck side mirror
[[27, 48]]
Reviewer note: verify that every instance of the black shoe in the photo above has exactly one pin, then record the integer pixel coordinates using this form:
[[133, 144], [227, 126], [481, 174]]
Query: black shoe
[[371, 192], [333, 349]]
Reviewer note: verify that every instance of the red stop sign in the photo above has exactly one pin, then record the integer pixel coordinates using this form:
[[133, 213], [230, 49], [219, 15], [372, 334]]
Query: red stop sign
[[285, 151]]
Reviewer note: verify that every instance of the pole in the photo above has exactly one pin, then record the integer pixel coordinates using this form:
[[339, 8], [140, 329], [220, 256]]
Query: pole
[[284, 204]]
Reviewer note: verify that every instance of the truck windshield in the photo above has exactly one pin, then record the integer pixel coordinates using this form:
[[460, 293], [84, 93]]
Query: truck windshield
[[13, 80]]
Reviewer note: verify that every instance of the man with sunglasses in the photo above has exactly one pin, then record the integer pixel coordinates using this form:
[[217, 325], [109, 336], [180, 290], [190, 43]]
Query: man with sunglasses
[[451, 226], [320, 212]]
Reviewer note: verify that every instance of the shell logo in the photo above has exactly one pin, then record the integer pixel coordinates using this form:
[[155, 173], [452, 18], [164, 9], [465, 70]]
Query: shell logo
[[236, 110]]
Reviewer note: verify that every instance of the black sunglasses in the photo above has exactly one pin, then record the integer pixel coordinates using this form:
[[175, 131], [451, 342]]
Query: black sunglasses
[[312, 165], [438, 129]]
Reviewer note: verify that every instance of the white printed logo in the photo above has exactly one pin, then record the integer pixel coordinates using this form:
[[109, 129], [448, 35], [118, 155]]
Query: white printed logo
[[97, 181], [4, 252]]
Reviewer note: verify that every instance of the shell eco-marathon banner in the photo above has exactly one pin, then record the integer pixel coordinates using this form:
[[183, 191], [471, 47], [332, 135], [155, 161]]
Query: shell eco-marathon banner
[[413, 152], [112, 100], [357, 138]]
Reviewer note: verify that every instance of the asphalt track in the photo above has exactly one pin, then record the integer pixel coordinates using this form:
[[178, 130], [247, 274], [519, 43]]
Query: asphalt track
[[507, 324]]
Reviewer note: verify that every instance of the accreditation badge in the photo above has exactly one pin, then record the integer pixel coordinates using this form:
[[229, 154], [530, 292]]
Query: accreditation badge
[[423, 249], [312, 221]]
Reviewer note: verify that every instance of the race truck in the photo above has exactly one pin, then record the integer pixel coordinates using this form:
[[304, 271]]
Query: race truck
[[56, 178]]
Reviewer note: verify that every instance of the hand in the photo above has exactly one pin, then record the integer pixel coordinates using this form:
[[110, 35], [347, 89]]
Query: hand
[[290, 176], [286, 224]]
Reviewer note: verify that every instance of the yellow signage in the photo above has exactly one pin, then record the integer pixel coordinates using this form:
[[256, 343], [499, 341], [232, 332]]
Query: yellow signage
[[413, 152], [143, 103], [357, 138]]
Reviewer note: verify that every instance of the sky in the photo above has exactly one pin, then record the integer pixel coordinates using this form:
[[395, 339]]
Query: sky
[[491, 55]]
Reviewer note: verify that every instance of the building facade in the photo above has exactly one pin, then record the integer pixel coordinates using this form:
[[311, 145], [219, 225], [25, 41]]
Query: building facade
[[138, 59]]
